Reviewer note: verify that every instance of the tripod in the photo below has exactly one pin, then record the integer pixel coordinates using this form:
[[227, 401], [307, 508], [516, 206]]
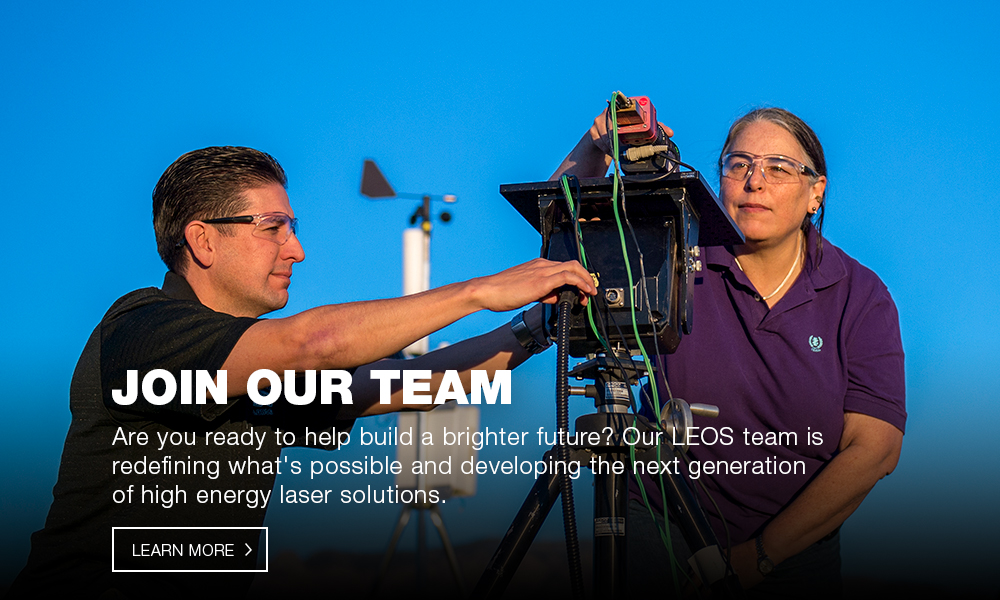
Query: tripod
[[669, 214], [448, 486], [614, 430], [404, 519]]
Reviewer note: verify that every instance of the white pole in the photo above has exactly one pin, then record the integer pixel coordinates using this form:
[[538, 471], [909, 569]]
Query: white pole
[[416, 279], [416, 274]]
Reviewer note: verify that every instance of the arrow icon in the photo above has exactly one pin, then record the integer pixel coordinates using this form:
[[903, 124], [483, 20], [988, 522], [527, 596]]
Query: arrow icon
[[249, 549]]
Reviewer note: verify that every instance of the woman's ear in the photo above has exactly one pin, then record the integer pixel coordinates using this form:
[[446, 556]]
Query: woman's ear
[[818, 190]]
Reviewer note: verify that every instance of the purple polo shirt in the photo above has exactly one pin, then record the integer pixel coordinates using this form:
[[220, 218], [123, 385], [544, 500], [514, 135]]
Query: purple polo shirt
[[830, 345]]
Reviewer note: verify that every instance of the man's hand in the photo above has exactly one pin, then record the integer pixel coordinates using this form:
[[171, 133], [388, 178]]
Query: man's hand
[[340, 336], [535, 281]]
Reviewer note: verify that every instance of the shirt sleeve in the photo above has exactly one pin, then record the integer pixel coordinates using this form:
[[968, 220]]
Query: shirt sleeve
[[174, 335], [876, 384]]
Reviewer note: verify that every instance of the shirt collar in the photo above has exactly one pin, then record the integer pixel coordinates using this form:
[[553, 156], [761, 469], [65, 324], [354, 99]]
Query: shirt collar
[[823, 271], [176, 287]]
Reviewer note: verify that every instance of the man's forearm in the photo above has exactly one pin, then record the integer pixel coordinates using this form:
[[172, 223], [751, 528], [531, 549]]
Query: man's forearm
[[490, 352], [346, 335]]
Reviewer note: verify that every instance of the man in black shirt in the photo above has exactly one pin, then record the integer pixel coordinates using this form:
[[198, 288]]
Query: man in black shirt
[[226, 231]]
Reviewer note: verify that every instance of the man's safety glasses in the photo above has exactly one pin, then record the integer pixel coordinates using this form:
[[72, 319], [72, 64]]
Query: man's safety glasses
[[274, 227]]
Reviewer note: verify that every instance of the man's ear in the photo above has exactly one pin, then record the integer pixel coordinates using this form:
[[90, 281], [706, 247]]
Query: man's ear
[[200, 240]]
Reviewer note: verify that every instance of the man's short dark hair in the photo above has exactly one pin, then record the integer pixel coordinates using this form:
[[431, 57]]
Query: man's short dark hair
[[206, 184]]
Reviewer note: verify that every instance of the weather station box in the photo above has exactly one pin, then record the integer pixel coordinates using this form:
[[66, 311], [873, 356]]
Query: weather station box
[[451, 427]]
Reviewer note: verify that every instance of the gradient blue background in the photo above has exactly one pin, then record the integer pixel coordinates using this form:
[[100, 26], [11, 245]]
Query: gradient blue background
[[97, 100]]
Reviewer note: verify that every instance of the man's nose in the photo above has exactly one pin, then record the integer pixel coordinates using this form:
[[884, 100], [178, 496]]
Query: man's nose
[[293, 249]]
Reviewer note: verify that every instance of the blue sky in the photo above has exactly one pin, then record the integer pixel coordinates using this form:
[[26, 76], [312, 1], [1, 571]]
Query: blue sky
[[98, 100]]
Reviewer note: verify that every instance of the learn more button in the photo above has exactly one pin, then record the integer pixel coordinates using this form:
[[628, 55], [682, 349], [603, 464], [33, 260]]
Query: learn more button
[[187, 549]]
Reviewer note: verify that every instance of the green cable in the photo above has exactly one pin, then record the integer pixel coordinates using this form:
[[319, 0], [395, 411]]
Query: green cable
[[635, 330], [621, 237], [663, 531], [583, 254]]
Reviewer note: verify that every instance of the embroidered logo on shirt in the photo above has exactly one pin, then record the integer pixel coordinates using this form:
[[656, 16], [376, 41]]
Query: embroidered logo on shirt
[[816, 343]]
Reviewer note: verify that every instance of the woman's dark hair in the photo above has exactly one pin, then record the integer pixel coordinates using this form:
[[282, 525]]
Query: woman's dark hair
[[206, 184], [803, 134]]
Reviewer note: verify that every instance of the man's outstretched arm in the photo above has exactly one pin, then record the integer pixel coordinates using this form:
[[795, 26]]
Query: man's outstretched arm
[[341, 336]]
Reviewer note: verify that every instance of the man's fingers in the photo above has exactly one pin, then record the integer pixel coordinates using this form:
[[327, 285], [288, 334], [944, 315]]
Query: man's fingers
[[572, 273], [554, 298], [540, 279]]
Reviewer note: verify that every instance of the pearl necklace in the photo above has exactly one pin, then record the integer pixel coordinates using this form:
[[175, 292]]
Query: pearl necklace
[[790, 271]]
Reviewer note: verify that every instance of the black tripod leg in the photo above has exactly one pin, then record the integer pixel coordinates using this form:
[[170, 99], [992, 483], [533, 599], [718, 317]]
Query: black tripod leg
[[449, 551], [404, 518], [421, 552], [708, 557], [610, 543], [518, 538]]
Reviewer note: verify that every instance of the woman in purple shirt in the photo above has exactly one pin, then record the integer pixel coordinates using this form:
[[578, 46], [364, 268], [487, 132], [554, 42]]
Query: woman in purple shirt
[[791, 336]]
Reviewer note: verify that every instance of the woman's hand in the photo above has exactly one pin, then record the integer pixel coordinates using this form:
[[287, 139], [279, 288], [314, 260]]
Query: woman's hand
[[591, 156], [744, 560], [599, 132], [869, 450]]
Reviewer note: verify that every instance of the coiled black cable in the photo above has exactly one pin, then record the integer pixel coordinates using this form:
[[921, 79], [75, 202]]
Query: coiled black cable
[[562, 452]]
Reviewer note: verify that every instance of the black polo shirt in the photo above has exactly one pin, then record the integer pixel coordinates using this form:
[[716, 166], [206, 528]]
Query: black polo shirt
[[149, 329]]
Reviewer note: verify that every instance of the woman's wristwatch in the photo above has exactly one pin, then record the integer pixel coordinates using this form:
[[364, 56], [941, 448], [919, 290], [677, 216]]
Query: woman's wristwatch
[[764, 563]]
